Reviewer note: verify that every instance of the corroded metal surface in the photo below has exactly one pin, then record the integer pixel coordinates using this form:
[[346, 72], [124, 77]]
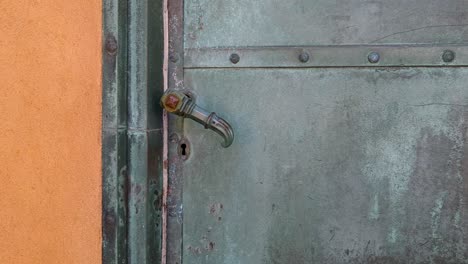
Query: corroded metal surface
[[331, 166], [132, 131], [339, 158], [323, 22], [114, 136], [173, 164], [145, 147]]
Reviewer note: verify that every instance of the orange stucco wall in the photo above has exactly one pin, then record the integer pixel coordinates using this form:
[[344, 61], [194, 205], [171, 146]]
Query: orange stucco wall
[[50, 103]]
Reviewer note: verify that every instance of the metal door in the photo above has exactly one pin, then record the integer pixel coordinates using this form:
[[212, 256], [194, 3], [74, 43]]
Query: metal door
[[350, 121]]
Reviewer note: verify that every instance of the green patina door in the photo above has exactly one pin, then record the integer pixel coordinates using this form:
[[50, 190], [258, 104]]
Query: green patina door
[[350, 121]]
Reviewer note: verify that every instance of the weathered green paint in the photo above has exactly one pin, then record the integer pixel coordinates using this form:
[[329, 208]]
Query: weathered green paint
[[329, 166], [114, 132], [144, 196], [132, 131], [114, 192], [174, 228], [322, 22], [145, 87], [332, 163]]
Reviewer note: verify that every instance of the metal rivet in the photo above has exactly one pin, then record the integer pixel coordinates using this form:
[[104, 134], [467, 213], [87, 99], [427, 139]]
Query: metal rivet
[[174, 57], [373, 57], [111, 45], [448, 56], [304, 57], [234, 58]]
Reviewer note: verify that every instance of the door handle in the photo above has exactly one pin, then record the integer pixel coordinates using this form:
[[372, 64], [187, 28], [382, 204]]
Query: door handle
[[180, 104]]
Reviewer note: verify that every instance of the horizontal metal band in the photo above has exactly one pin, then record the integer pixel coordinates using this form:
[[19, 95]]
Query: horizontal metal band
[[327, 56]]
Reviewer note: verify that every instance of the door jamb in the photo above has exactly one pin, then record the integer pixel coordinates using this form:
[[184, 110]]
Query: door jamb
[[132, 131]]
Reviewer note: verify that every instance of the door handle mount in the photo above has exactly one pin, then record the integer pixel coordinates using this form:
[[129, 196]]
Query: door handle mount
[[182, 105]]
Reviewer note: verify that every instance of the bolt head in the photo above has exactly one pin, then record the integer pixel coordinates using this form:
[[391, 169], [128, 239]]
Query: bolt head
[[234, 58], [111, 45], [304, 57], [448, 56], [171, 102], [373, 57]]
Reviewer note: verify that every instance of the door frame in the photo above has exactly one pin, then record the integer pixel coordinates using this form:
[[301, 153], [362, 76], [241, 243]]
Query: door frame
[[132, 131]]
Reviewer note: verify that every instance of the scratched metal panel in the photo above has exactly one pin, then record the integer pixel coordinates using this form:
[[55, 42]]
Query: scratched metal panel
[[329, 166], [323, 22]]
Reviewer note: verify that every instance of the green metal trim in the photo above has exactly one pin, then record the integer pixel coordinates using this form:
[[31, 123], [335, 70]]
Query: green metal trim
[[132, 131], [328, 56], [175, 127], [114, 134], [114, 201]]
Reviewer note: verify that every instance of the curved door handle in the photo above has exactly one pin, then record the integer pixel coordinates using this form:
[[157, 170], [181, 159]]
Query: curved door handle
[[180, 104]]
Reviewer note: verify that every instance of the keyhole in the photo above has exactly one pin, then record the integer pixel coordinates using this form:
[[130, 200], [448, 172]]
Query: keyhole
[[183, 149]]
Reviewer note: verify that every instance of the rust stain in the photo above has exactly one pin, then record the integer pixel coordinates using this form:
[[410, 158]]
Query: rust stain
[[171, 102], [212, 210], [137, 189], [216, 209], [111, 45], [194, 250], [211, 246]]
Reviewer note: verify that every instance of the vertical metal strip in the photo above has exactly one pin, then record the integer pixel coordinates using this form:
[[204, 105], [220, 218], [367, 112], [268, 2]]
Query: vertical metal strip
[[165, 138], [132, 131], [174, 228], [145, 87], [114, 132], [137, 136]]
